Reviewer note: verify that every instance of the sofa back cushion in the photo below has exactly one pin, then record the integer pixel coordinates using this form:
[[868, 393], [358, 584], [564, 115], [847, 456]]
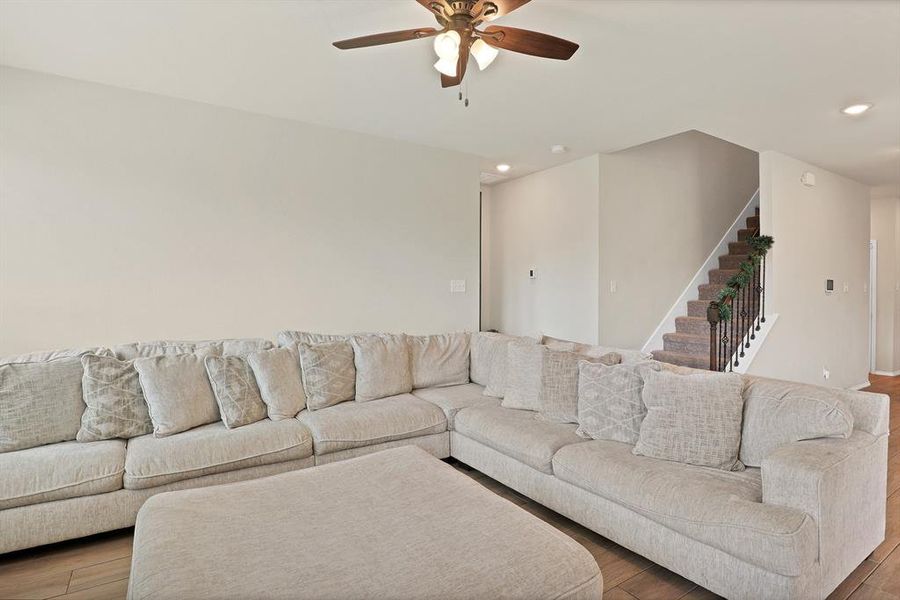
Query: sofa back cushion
[[178, 393], [329, 375], [439, 360], [610, 405], [226, 347], [277, 373], [524, 364], [114, 402], [488, 355], [559, 385], [235, 389], [780, 412], [290, 339], [41, 398], [694, 419], [383, 366], [593, 351]]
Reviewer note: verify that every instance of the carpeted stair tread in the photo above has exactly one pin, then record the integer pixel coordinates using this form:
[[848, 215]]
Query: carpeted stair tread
[[732, 261], [682, 360], [692, 325], [722, 275], [685, 343]]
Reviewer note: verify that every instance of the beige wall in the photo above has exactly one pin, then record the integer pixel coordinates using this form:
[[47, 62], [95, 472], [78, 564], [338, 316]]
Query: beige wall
[[546, 221], [664, 206], [885, 229], [820, 232], [125, 216]]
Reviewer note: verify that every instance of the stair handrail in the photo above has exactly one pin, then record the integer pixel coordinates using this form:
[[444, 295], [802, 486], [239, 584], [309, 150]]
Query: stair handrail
[[740, 307]]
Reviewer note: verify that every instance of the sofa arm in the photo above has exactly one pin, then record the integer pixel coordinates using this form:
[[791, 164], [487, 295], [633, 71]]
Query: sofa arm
[[842, 484]]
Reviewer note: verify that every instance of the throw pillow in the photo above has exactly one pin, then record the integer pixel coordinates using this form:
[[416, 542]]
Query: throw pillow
[[382, 366], [329, 376], [628, 356], [481, 346], [523, 367], [40, 400], [177, 391], [115, 403], [497, 353], [277, 374], [290, 339], [439, 360], [781, 412], [559, 386], [694, 419], [235, 390], [609, 401]]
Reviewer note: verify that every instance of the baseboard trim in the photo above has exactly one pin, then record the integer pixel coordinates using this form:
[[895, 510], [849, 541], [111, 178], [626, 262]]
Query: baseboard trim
[[860, 386], [886, 373]]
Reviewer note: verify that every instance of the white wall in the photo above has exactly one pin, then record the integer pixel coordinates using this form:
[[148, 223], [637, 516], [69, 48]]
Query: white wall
[[547, 221], [885, 230], [127, 216], [664, 207], [820, 232]]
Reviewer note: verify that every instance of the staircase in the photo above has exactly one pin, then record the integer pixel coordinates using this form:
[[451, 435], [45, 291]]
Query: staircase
[[689, 344]]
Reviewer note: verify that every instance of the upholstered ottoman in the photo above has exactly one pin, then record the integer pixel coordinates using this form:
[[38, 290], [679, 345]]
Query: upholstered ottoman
[[394, 524]]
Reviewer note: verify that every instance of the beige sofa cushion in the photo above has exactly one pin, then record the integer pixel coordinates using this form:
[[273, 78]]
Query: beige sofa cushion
[[357, 424], [777, 413], [278, 376], [517, 434], [439, 360], [454, 398], [720, 508], [559, 385], [593, 351], [289, 339], [226, 347], [59, 471], [40, 400], [382, 365], [115, 405], [524, 363], [177, 391], [235, 389], [329, 375], [213, 448], [610, 406], [693, 419]]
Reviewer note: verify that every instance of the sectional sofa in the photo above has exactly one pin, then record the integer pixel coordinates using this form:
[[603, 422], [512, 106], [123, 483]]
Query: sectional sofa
[[792, 527]]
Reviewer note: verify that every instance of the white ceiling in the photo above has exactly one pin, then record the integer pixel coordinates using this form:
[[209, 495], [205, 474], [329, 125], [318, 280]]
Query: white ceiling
[[767, 75]]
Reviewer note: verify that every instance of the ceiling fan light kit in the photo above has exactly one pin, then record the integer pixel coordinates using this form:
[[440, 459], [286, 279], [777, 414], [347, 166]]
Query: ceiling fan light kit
[[459, 37]]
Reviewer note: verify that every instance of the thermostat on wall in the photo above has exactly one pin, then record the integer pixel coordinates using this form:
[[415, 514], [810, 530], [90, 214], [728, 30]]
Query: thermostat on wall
[[808, 179]]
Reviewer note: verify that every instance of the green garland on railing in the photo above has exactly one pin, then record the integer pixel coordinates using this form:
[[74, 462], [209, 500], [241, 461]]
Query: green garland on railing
[[759, 247]]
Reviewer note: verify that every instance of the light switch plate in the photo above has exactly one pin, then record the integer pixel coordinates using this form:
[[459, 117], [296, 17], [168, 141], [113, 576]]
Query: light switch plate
[[457, 286]]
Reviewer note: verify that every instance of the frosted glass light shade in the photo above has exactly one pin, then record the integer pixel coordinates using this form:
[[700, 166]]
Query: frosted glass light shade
[[446, 45], [484, 53], [447, 66]]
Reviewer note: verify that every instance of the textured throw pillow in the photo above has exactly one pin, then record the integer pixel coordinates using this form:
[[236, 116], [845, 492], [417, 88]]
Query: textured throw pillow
[[439, 360], [694, 419], [177, 391], [781, 412], [290, 339], [609, 401], [41, 401], [235, 389], [166, 348], [559, 386], [497, 353], [115, 403], [329, 376], [524, 364], [482, 345], [382, 366], [277, 374]]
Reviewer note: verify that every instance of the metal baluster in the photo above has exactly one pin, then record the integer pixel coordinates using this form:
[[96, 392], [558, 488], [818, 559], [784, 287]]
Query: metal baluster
[[762, 287], [754, 304]]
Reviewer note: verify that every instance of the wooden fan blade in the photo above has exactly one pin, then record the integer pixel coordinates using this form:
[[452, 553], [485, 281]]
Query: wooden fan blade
[[529, 42], [461, 64], [504, 7], [386, 38]]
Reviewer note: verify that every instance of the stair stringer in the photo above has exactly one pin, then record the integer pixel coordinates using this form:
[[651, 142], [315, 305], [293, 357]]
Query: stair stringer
[[680, 307]]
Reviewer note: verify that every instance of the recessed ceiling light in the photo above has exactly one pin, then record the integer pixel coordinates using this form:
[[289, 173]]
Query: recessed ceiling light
[[503, 168], [558, 149], [856, 109]]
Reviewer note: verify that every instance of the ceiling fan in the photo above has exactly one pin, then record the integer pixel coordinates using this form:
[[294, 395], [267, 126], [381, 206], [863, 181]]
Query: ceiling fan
[[458, 37]]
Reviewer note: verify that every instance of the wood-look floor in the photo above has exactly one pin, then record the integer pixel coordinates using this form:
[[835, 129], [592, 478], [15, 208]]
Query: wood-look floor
[[96, 568]]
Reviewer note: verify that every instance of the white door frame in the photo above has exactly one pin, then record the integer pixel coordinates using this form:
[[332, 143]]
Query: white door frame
[[873, 299]]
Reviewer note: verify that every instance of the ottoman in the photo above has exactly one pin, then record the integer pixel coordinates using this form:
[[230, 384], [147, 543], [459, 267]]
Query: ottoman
[[391, 525]]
